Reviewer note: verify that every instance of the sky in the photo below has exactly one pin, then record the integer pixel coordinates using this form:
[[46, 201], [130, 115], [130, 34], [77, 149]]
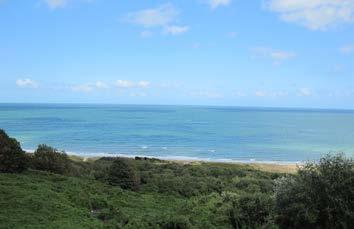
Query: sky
[[269, 53]]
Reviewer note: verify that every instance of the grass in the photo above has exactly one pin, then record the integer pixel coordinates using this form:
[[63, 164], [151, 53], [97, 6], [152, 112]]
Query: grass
[[42, 200]]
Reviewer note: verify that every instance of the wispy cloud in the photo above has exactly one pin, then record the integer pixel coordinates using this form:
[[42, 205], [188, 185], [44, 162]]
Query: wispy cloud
[[176, 30], [83, 88], [89, 87], [58, 4], [54, 4], [101, 85], [143, 84], [314, 14], [305, 92], [217, 3], [125, 84], [275, 94], [154, 17], [277, 56], [162, 17], [347, 49], [26, 83]]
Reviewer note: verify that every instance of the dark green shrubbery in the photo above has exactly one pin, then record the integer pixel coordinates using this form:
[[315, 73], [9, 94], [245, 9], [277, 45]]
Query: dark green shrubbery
[[174, 222], [47, 158], [319, 196], [251, 210], [122, 173], [12, 157]]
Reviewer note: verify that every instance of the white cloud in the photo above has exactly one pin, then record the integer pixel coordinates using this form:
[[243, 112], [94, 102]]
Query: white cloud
[[275, 94], [314, 14], [54, 4], [89, 87], [162, 17], [175, 30], [130, 84], [347, 49], [26, 83], [216, 3], [154, 17], [276, 55], [305, 92], [83, 88], [101, 85], [143, 84], [124, 84]]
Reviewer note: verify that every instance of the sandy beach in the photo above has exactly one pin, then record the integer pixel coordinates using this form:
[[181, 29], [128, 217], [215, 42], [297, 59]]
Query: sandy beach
[[269, 167]]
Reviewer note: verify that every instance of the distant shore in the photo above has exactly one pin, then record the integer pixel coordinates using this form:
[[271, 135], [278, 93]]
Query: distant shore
[[264, 166], [270, 166]]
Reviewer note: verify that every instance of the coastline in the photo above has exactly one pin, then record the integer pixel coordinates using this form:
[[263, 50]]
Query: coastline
[[268, 166]]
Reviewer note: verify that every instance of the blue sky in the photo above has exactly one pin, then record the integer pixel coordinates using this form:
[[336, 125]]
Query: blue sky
[[279, 53]]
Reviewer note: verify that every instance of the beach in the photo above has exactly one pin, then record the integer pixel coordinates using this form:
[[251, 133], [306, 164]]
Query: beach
[[268, 167]]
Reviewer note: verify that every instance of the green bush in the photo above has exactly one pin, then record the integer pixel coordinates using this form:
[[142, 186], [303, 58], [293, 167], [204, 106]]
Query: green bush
[[320, 196], [174, 222], [251, 210], [12, 157], [122, 173], [49, 159]]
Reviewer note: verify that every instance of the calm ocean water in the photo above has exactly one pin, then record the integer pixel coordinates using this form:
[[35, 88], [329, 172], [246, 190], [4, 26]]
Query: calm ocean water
[[196, 132]]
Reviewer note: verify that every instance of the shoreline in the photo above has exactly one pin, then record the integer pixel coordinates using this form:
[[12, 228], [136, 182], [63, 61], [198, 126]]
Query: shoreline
[[269, 166], [178, 158]]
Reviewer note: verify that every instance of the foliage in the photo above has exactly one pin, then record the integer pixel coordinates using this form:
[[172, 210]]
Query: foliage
[[320, 196], [123, 174], [151, 193], [49, 159], [251, 210], [12, 157]]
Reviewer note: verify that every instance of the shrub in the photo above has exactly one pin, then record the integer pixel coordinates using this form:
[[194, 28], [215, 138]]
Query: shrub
[[251, 210], [320, 196], [123, 174], [174, 222], [12, 157], [49, 159]]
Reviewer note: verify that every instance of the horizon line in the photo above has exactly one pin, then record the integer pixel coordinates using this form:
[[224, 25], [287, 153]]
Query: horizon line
[[182, 105]]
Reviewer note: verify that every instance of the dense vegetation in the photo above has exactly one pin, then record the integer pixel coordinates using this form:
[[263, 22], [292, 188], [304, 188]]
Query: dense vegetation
[[12, 157], [58, 192]]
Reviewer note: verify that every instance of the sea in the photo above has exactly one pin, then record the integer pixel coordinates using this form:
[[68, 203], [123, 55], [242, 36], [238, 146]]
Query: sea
[[209, 133]]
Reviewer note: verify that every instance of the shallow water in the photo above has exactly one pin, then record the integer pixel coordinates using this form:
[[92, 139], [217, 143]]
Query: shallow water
[[182, 132]]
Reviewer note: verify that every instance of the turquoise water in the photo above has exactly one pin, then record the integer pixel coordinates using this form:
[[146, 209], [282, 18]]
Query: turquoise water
[[196, 132]]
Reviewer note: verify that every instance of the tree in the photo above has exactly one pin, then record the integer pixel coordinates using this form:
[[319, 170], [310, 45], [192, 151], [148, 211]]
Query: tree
[[12, 157], [319, 196], [50, 159], [123, 174]]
